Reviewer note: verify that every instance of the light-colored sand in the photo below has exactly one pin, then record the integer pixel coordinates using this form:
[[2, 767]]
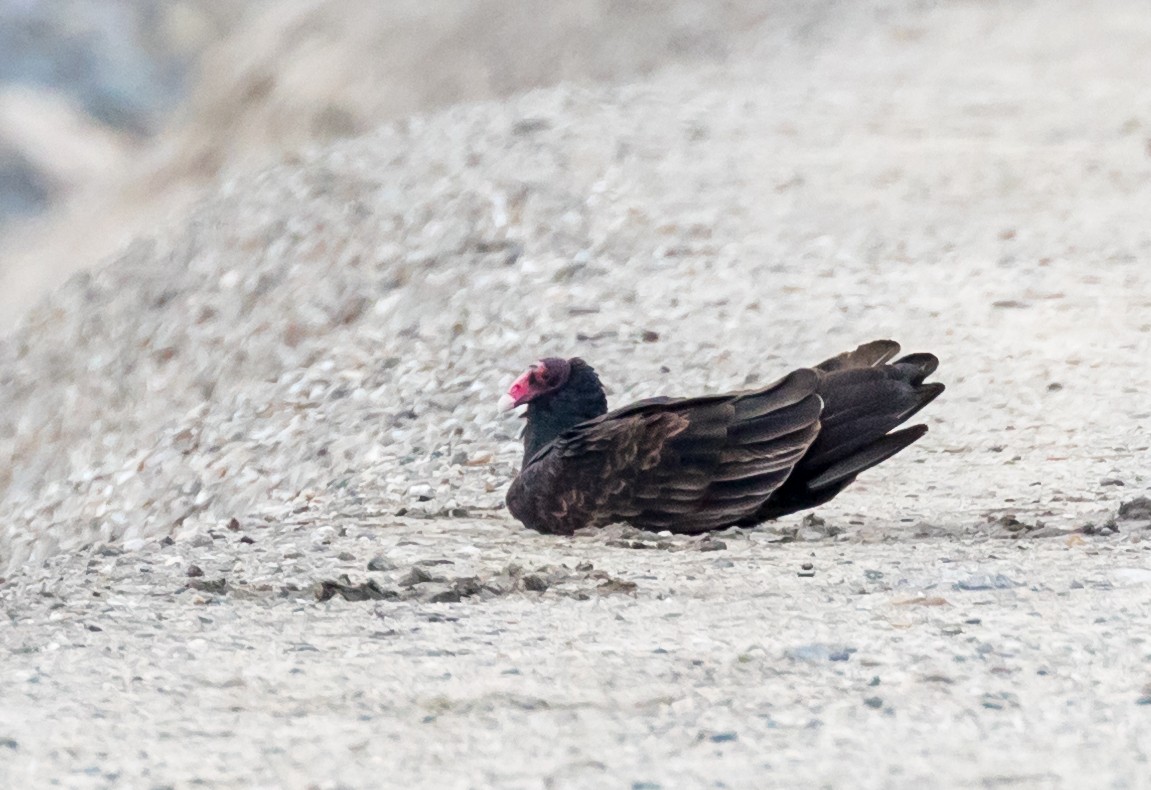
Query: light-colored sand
[[321, 346]]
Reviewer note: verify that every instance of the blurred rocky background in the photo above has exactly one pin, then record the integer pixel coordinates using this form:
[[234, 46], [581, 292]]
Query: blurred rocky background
[[84, 84], [115, 116]]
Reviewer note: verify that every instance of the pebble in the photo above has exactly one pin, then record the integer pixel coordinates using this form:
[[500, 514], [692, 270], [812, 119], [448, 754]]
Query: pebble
[[421, 492], [381, 563], [997, 581], [535, 583], [416, 575], [216, 586], [439, 593], [818, 651], [350, 591], [723, 737], [1000, 700], [1138, 509], [711, 544]]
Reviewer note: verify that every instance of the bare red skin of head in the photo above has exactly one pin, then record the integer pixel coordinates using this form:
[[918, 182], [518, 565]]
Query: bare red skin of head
[[542, 377], [522, 389]]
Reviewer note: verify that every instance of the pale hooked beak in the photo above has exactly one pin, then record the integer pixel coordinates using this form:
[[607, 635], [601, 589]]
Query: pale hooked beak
[[520, 391]]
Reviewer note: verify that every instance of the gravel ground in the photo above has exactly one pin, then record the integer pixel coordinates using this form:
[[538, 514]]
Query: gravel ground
[[303, 378]]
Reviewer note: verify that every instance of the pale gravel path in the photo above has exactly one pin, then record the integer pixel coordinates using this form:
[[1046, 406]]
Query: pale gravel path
[[971, 180], [717, 671]]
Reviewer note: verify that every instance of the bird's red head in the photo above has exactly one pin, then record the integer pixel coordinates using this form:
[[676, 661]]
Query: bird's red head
[[545, 376]]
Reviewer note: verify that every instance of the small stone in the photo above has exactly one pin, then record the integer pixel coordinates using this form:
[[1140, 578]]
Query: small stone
[[874, 702], [467, 586], [617, 543], [416, 575], [534, 582], [201, 541], [1111, 481], [247, 540], [9, 743], [1144, 700], [194, 571], [460, 458], [648, 336], [166, 541], [436, 593], [723, 562], [723, 737], [1108, 527], [349, 591], [421, 492], [234, 524], [380, 563], [584, 567], [215, 586], [1137, 509], [985, 582], [1012, 524], [610, 586], [818, 651], [1000, 701], [109, 551], [346, 556], [711, 544], [94, 628]]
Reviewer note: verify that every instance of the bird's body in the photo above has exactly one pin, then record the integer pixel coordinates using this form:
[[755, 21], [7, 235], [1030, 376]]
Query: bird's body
[[691, 465]]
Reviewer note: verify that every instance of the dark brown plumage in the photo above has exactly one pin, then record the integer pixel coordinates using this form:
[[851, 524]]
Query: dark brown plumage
[[690, 465]]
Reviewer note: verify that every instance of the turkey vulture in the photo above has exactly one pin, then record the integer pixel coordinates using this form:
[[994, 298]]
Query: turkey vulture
[[690, 465]]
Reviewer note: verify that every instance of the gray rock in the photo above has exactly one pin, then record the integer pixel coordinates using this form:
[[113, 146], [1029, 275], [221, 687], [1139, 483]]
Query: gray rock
[[1138, 509], [985, 581], [817, 652], [381, 563], [417, 575]]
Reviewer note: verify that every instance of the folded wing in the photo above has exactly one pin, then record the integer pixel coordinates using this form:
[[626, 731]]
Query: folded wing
[[688, 465]]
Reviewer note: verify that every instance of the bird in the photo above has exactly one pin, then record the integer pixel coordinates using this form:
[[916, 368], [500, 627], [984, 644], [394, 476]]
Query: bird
[[695, 465]]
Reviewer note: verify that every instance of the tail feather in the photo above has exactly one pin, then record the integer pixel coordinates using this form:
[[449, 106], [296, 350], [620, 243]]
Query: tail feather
[[865, 399], [868, 355], [845, 469]]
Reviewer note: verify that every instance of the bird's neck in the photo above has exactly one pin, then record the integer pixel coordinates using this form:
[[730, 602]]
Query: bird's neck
[[548, 417], [544, 425]]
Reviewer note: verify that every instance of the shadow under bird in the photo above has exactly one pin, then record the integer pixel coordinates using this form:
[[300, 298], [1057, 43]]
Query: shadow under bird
[[691, 465]]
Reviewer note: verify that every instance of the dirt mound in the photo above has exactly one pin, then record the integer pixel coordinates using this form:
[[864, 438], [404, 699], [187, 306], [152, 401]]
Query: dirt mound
[[305, 72]]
